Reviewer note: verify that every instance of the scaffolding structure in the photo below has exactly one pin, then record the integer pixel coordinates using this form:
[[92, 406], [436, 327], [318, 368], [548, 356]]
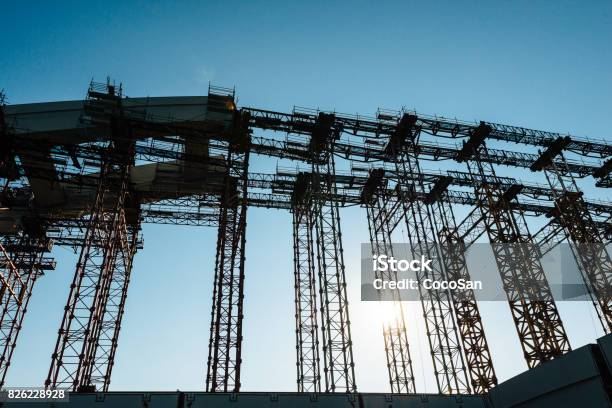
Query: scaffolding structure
[[205, 180], [475, 346], [438, 309], [337, 345], [307, 346], [88, 334], [381, 223], [23, 261], [533, 308], [23, 257], [225, 344], [572, 217]]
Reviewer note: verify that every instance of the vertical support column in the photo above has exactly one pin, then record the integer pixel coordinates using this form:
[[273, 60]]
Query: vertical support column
[[78, 336], [101, 365], [79, 361], [21, 258], [397, 348], [306, 329], [438, 309], [339, 367], [449, 367], [587, 243], [533, 309], [537, 320], [475, 345], [225, 343]]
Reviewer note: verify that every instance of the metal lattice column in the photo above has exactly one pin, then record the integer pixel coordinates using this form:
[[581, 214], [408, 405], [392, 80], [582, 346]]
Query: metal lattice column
[[225, 343], [588, 245], [78, 336], [307, 328], [21, 259], [537, 320], [397, 348], [339, 367], [443, 311], [449, 367], [438, 309], [101, 365], [475, 346], [535, 314]]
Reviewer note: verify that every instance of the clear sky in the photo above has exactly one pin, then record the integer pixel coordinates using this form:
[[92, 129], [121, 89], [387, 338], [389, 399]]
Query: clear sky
[[540, 64]]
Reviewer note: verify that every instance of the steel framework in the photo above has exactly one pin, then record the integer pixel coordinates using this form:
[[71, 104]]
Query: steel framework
[[475, 347], [447, 358], [22, 255], [304, 269], [535, 314], [225, 343], [217, 148], [438, 309], [380, 226], [441, 309], [338, 364], [22, 261], [573, 217], [85, 347]]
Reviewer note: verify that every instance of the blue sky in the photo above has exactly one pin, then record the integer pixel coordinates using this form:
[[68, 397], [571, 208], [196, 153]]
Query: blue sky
[[537, 64]]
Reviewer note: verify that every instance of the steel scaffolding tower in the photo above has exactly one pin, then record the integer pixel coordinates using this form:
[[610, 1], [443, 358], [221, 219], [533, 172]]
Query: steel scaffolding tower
[[535, 314], [209, 152], [475, 345], [438, 310], [380, 226], [76, 349], [338, 364], [22, 261], [339, 367], [304, 269], [100, 370], [573, 217], [82, 360], [225, 343]]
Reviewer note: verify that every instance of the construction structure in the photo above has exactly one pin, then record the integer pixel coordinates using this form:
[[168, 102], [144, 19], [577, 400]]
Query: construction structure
[[87, 174]]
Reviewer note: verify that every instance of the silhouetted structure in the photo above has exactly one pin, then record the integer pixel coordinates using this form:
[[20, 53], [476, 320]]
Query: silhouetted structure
[[87, 174]]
